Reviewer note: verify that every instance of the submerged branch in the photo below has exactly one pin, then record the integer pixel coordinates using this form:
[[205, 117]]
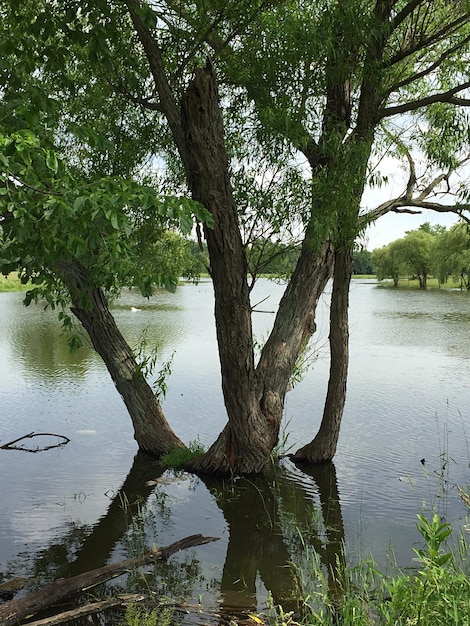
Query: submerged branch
[[12, 613], [10, 444]]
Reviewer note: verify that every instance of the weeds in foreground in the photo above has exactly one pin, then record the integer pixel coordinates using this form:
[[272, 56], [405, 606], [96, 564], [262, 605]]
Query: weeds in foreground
[[138, 616], [437, 593]]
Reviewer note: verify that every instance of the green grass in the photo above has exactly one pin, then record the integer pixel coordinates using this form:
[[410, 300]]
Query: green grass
[[370, 276], [12, 283]]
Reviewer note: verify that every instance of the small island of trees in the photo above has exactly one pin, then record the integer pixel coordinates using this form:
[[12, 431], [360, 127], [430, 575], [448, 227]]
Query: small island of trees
[[427, 251]]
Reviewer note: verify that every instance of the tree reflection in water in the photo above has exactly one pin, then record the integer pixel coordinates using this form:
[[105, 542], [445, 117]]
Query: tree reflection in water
[[270, 519], [266, 516]]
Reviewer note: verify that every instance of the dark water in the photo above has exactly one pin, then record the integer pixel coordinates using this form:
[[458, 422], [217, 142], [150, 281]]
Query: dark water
[[404, 446]]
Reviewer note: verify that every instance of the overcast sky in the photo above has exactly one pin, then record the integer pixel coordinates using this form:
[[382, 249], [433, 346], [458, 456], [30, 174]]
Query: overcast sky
[[394, 225]]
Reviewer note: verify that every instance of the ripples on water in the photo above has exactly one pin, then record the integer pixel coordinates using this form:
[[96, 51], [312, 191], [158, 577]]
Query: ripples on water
[[408, 401]]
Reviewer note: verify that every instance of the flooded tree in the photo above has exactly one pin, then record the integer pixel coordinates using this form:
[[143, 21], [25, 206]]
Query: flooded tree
[[328, 94]]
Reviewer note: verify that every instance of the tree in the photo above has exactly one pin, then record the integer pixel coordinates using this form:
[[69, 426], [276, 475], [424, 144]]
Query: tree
[[328, 94], [386, 262], [414, 253], [42, 201], [362, 261], [451, 255]]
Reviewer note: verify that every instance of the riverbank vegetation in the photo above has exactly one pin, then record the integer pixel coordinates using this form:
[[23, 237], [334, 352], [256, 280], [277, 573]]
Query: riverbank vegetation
[[11, 282]]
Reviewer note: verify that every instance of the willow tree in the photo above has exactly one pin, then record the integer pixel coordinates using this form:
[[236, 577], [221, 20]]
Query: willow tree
[[328, 87]]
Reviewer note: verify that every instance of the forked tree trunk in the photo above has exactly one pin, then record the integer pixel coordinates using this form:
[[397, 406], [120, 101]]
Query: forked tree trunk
[[323, 446], [254, 399], [151, 430]]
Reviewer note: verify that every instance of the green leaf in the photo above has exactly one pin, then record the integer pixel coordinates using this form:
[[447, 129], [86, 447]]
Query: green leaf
[[79, 203], [51, 161], [115, 222]]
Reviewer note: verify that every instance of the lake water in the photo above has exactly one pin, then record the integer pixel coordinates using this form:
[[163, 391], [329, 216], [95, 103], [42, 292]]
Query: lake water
[[404, 445]]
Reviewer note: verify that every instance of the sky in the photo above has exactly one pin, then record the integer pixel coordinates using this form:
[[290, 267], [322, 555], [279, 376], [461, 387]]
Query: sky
[[394, 225]]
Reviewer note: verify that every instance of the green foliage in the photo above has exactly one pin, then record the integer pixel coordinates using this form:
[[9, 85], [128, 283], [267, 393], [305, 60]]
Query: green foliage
[[387, 263], [429, 250], [437, 594], [362, 262], [177, 458], [12, 283], [160, 386], [434, 533], [451, 255], [146, 357], [272, 257], [414, 251], [51, 216]]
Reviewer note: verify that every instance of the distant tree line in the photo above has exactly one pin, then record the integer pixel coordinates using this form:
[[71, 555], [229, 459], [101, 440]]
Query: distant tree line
[[267, 257], [427, 251]]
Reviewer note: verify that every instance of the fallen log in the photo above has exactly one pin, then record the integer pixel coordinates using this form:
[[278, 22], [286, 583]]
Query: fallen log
[[11, 613], [88, 609]]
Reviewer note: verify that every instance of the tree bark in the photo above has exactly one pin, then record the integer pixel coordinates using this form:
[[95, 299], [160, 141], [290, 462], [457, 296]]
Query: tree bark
[[254, 399], [323, 446], [244, 445], [151, 430], [294, 325]]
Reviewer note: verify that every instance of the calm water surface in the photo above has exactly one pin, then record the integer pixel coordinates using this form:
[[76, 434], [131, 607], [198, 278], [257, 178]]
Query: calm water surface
[[404, 444]]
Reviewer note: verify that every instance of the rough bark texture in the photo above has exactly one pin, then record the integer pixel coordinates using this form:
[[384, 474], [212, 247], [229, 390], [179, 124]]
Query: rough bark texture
[[254, 399], [323, 446], [246, 441], [294, 324], [151, 430]]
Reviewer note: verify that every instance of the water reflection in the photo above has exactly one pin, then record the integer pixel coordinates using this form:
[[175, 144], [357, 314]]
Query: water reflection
[[255, 545], [270, 519], [39, 346], [408, 399], [82, 547], [97, 548]]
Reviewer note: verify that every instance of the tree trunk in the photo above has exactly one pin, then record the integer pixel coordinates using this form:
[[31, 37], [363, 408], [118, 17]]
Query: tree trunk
[[151, 430], [244, 445], [294, 325], [323, 446], [254, 399]]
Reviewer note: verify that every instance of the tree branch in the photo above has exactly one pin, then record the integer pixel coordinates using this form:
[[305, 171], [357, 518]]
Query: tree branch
[[413, 105], [401, 16], [414, 77], [422, 44], [168, 103], [12, 613]]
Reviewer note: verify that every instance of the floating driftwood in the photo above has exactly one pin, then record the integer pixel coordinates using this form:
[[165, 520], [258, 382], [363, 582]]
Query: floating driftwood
[[63, 440], [11, 613]]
